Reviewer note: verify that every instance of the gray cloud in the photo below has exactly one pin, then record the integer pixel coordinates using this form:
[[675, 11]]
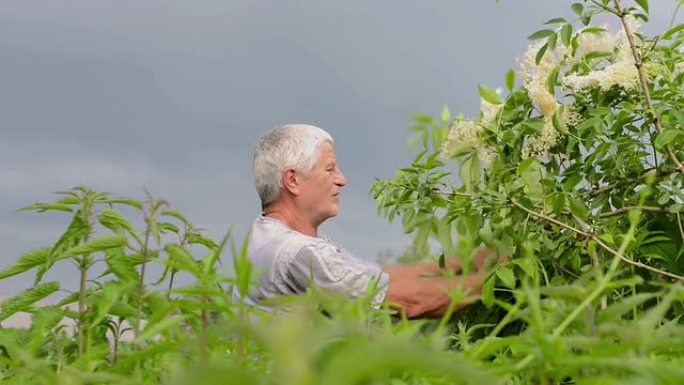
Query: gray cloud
[[172, 95]]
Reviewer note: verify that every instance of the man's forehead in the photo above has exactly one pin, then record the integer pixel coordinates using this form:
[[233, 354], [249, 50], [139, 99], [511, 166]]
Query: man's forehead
[[327, 152]]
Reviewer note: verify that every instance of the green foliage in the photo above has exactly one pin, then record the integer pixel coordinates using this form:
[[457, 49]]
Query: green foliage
[[575, 177]]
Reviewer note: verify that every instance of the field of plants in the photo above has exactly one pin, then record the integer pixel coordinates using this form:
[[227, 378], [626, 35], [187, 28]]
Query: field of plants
[[575, 171]]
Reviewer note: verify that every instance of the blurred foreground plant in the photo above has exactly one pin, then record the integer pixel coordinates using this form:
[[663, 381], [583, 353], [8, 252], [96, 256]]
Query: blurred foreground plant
[[120, 329]]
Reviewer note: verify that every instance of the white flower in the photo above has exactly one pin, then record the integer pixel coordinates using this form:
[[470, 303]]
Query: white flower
[[535, 77], [467, 133], [571, 117], [539, 145], [679, 67], [621, 72], [595, 42]]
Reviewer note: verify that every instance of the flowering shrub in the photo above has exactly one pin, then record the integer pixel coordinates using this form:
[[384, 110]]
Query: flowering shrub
[[576, 175]]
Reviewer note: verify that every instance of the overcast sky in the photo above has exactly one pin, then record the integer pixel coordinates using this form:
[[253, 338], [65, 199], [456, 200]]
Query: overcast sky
[[172, 95]]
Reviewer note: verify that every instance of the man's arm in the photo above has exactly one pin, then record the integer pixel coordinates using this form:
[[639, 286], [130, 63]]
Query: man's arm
[[419, 296], [420, 290]]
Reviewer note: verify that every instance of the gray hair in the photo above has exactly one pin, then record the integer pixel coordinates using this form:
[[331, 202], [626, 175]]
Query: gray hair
[[290, 146]]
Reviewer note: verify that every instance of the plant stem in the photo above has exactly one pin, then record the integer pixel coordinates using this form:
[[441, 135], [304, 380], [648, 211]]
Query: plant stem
[[679, 224], [644, 83], [626, 209], [643, 178], [168, 291], [141, 283], [497, 329], [83, 268], [604, 7], [203, 333], [603, 282], [598, 242]]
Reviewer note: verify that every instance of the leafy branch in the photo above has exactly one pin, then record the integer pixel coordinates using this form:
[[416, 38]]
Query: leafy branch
[[620, 12], [598, 241]]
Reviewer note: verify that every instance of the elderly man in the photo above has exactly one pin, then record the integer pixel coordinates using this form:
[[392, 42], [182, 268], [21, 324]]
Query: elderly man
[[299, 182]]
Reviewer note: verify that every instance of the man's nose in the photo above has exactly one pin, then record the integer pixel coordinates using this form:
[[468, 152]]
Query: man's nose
[[340, 180]]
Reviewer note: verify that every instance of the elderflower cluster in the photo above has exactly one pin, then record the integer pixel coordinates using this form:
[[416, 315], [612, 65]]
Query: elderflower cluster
[[571, 117], [621, 72], [679, 67], [535, 76], [538, 145], [467, 133], [595, 42]]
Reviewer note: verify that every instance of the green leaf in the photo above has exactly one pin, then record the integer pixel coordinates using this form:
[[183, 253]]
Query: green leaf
[[168, 227], [578, 208], [122, 266], [210, 259], [551, 41], [114, 220], [46, 318], [446, 115], [540, 54], [667, 137], [557, 20], [26, 262], [96, 245], [566, 34], [543, 33], [466, 179], [489, 95], [533, 125], [675, 208], [558, 122], [527, 265], [104, 302], [127, 202], [551, 81], [154, 329], [506, 276], [181, 259], [643, 4], [530, 173], [488, 292], [444, 235], [43, 207], [177, 215], [578, 8], [595, 30], [510, 80], [199, 239], [75, 232], [670, 32], [25, 299]]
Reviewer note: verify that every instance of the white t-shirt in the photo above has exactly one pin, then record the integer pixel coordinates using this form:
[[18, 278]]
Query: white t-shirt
[[289, 261]]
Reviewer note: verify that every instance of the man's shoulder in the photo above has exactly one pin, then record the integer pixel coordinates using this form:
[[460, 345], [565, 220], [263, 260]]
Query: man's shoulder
[[271, 237]]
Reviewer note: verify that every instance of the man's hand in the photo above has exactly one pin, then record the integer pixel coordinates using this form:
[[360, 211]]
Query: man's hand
[[421, 290]]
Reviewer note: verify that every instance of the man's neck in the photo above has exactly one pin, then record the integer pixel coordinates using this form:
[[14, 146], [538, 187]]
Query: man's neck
[[291, 220]]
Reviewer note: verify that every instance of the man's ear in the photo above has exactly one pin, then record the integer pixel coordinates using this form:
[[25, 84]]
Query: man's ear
[[290, 181]]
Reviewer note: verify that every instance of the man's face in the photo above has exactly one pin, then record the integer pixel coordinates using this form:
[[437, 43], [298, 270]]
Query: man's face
[[319, 194]]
